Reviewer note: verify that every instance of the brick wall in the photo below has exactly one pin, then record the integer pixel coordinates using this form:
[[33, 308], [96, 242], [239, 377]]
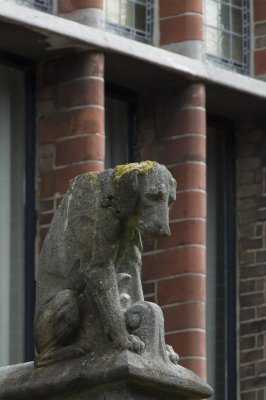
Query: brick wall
[[182, 26], [70, 126], [251, 205], [259, 26], [172, 131], [87, 12]]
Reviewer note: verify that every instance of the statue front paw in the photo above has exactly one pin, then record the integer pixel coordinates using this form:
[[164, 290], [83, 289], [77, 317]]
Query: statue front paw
[[132, 343], [172, 355]]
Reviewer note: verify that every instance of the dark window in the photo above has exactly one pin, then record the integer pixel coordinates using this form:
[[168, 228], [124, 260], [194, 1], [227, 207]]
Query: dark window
[[221, 265], [120, 121], [17, 214]]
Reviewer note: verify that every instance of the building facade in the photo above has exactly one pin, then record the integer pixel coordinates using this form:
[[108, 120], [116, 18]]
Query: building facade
[[89, 84]]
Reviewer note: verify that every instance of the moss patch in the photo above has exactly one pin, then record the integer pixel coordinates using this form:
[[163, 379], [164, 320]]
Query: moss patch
[[143, 166]]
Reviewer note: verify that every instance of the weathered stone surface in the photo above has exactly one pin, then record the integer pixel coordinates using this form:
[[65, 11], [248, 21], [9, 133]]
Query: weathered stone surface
[[92, 377], [96, 337], [89, 270]]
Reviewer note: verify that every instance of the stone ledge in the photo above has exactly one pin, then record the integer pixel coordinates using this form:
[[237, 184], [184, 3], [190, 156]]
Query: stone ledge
[[110, 375]]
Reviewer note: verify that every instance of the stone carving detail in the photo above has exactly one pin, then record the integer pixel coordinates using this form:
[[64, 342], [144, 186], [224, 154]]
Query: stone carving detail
[[89, 293]]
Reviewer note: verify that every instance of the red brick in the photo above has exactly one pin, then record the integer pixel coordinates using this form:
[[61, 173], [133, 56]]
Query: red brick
[[182, 288], [181, 122], [183, 233], [80, 93], [190, 176], [197, 365], [259, 10], [260, 62], [45, 219], [64, 69], [251, 356], [189, 204], [180, 28], [191, 148], [184, 316], [42, 234], [172, 7], [57, 181], [46, 206], [70, 123], [90, 147], [188, 344], [181, 260], [66, 6], [250, 300], [174, 99], [195, 95]]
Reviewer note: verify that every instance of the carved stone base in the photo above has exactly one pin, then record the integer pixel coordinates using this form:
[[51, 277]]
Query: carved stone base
[[113, 376], [110, 374]]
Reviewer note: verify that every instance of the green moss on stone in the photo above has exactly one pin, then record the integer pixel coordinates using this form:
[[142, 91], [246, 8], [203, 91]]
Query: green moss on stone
[[143, 166]]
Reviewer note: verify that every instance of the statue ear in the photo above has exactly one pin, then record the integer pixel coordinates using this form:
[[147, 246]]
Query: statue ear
[[126, 193]]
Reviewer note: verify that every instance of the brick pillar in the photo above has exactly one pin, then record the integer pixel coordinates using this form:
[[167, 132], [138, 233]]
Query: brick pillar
[[259, 26], [87, 12], [173, 133], [70, 126], [251, 230], [182, 27]]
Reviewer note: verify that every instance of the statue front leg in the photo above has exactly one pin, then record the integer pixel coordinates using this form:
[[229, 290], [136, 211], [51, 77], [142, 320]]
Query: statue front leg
[[102, 283], [145, 320]]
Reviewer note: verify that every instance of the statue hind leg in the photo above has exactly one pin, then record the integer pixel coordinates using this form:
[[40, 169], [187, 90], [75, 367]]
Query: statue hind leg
[[56, 328]]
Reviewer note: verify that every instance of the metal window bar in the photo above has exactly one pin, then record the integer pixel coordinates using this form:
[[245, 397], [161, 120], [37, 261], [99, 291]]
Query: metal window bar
[[120, 28], [229, 62]]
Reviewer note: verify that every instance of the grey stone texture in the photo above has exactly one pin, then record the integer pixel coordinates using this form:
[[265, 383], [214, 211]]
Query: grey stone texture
[[112, 376], [89, 267], [188, 48], [90, 17], [96, 337]]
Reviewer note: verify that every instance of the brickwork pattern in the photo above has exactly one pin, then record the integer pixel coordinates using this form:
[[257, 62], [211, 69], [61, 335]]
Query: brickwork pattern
[[87, 12], [182, 26], [259, 13], [70, 126], [172, 131], [251, 206], [68, 6]]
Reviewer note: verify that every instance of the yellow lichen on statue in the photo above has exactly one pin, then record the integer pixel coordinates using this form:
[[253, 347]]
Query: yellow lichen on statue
[[143, 166]]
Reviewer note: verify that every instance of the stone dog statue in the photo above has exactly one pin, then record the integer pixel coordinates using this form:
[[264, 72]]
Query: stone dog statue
[[89, 293]]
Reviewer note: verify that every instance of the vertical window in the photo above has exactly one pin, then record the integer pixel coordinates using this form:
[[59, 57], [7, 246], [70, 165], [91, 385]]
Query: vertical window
[[12, 203], [131, 18], [221, 282], [17, 215], [227, 33], [120, 119]]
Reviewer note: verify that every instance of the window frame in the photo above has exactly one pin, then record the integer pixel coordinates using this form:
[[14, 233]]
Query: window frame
[[229, 200], [129, 96], [146, 36], [30, 220], [229, 63]]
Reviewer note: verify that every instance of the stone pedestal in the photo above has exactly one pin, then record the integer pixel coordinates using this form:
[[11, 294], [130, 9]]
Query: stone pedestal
[[114, 376], [107, 373]]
